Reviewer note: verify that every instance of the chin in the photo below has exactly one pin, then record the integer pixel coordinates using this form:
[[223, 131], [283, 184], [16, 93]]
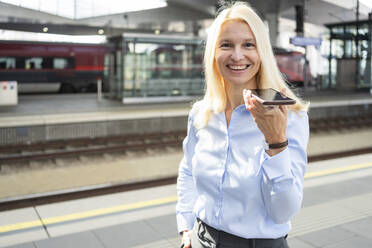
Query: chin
[[241, 82]]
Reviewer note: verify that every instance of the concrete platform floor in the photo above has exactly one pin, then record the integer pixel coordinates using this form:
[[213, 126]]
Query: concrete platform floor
[[46, 104]]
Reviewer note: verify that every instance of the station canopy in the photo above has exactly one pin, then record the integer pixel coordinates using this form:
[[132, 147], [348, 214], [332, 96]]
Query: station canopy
[[114, 17], [79, 9]]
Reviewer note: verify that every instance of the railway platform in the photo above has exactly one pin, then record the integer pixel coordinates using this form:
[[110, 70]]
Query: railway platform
[[337, 212], [48, 118], [41, 118]]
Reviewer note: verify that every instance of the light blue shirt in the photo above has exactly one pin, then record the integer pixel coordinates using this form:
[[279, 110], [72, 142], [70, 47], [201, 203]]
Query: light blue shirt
[[227, 180]]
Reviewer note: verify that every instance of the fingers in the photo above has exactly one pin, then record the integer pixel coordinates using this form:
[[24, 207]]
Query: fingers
[[249, 100], [252, 104], [247, 94], [283, 92], [257, 108], [284, 109], [186, 239], [187, 244]]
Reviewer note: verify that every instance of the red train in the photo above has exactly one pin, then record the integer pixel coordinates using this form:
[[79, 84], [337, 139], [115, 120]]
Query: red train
[[291, 64], [73, 67], [66, 67]]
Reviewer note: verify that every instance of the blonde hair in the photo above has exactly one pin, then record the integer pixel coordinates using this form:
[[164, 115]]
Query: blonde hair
[[268, 76]]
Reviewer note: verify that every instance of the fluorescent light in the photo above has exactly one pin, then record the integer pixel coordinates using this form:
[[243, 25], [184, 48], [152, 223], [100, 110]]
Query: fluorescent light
[[48, 37]]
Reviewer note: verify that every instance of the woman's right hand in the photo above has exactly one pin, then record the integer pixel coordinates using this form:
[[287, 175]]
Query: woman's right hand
[[186, 239]]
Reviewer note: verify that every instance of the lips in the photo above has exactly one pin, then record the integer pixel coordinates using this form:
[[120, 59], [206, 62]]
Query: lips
[[237, 67]]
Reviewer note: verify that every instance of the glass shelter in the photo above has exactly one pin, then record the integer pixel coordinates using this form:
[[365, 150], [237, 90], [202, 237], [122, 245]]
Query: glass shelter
[[154, 66], [349, 57]]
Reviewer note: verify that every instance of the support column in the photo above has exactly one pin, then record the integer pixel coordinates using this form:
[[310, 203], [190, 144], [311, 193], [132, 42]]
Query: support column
[[273, 23], [368, 70]]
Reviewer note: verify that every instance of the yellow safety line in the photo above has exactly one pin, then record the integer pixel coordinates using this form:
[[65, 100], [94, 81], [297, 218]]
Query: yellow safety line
[[143, 204], [20, 226], [111, 210], [337, 170], [87, 214]]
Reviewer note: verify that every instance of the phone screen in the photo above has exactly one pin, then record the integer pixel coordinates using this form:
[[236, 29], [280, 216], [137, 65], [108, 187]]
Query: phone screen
[[272, 97]]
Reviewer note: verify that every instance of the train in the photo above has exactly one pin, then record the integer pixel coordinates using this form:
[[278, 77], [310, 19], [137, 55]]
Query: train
[[51, 66], [75, 67], [293, 66]]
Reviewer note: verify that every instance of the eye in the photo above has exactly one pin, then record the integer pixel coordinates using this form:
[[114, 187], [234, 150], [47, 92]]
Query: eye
[[225, 45], [250, 44]]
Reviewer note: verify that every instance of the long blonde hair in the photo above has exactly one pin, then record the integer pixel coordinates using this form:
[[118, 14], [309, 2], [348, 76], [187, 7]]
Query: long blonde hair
[[268, 76]]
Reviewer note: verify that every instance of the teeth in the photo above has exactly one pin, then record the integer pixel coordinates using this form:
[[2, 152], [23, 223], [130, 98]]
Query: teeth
[[238, 67]]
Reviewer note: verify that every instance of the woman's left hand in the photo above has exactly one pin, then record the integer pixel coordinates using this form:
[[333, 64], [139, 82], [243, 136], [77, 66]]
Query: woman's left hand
[[271, 120]]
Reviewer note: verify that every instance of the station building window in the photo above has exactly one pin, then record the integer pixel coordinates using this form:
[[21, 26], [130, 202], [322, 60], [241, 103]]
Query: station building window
[[155, 67], [350, 66]]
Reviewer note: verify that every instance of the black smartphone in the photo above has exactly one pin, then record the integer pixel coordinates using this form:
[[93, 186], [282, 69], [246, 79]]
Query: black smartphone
[[272, 97]]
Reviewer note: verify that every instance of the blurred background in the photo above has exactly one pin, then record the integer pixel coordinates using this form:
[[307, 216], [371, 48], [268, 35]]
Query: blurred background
[[94, 98]]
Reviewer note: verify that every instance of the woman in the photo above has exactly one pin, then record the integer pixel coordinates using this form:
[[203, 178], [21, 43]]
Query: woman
[[232, 190]]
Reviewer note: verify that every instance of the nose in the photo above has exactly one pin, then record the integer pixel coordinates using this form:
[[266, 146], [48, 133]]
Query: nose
[[237, 54]]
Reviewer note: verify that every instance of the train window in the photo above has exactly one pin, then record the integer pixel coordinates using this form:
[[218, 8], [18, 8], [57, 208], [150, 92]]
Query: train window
[[47, 63], [71, 63], [63, 63], [33, 63], [20, 63], [162, 58], [60, 63], [7, 63]]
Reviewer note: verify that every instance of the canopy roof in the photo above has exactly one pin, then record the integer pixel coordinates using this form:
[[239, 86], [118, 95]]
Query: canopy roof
[[78, 9]]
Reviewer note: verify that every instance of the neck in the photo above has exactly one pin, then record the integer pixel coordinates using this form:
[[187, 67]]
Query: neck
[[235, 95], [234, 99]]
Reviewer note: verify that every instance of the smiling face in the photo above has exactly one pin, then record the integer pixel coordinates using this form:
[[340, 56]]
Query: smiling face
[[236, 55]]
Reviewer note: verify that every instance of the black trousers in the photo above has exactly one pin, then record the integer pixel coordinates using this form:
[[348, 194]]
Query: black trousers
[[205, 236]]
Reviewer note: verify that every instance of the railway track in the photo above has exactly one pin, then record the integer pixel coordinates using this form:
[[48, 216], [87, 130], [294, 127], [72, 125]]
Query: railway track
[[87, 146], [73, 148], [338, 123]]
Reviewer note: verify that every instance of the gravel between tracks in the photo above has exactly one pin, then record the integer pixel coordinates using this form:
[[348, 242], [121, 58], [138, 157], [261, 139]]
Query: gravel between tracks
[[138, 166], [72, 173]]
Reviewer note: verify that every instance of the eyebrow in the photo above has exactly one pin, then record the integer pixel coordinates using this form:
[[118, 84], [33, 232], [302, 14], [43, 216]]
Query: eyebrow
[[246, 40]]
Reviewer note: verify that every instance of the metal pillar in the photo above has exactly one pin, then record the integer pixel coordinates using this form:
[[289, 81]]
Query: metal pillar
[[357, 71], [330, 63], [273, 22], [368, 72]]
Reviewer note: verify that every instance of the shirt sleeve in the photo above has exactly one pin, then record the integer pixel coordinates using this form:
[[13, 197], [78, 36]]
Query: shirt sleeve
[[186, 191], [283, 173]]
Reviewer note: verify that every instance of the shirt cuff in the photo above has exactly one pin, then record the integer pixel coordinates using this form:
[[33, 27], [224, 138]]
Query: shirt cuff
[[277, 166], [185, 221]]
